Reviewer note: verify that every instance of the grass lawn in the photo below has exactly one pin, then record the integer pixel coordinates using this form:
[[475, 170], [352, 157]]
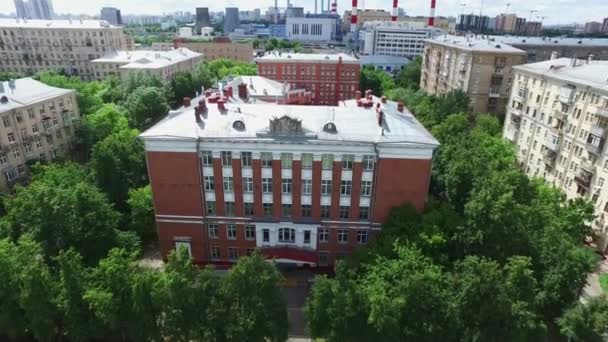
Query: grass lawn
[[604, 281]]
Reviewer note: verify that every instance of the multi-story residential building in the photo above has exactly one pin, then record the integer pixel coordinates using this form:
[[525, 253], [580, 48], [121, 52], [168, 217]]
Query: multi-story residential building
[[313, 29], [364, 16], [231, 19], [212, 50], [34, 9], [593, 27], [480, 68], [506, 23], [305, 185], [605, 25], [162, 64], [394, 39], [558, 119], [541, 48], [533, 28], [111, 15], [330, 78], [37, 124], [472, 23], [30, 46]]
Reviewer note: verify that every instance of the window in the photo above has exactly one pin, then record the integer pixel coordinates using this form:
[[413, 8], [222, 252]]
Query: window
[[11, 138], [307, 237], [215, 253], [210, 208], [306, 186], [327, 161], [344, 212], [368, 163], [287, 235], [228, 184], [183, 244], [267, 209], [307, 160], [325, 211], [246, 159], [247, 184], [250, 232], [11, 175], [342, 236], [286, 185], [364, 213], [286, 160], [5, 121], [346, 188], [266, 235], [347, 162], [230, 209], [209, 183], [306, 210], [323, 234], [231, 232], [323, 258], [233, 253], [248, 209], [366, 188], [207, 157], [362, 236], [213, 231], [267, 185], [266, 158], [226, 158], [326, 187], [286, 210]]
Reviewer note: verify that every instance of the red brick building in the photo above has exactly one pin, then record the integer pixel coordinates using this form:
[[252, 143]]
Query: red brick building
[[304, 184], [330, 78]]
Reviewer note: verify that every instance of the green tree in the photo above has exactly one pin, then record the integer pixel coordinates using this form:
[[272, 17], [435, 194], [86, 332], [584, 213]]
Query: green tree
[[87, 92], [112, 90], [6, 76], [118, 164], [204, 77], [586, 322], [257, 308], [145, 106], [409, 76], [183, 85], [13, 321], [107, 120], [61, 210], [141, 213], [376, 80]]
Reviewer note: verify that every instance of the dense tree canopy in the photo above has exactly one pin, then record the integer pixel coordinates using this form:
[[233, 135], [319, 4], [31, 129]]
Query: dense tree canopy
[[145, 106], [409, 76], [375, 80]]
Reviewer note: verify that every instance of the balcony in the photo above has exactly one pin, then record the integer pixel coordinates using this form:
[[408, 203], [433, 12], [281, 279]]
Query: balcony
[[602, 111], [515, 117], [549, 157], [566, 94], [511, 133], [494, 92], [558, 114], [583, 177], [552, 143], [521, 94], [598, 131], [595, 143]]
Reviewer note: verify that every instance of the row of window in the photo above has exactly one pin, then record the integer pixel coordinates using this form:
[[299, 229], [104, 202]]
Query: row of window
[[346, 186], [327, 160], [286, 210]]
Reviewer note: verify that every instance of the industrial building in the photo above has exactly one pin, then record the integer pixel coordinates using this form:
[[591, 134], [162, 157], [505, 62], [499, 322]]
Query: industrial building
[[111, 15], [231, 20], [394, 39]]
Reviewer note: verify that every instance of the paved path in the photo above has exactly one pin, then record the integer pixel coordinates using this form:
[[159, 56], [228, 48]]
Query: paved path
[[593, 289]]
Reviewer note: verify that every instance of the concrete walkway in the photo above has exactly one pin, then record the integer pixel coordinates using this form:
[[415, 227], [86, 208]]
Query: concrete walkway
[[593, 288]]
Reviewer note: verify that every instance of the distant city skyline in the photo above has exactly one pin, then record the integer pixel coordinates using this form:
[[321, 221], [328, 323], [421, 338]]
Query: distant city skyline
[[555, 11]]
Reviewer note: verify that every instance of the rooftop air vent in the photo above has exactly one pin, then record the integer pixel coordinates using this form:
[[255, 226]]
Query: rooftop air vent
[[330, 128], [498, 46], [3, 99], [239, 125]]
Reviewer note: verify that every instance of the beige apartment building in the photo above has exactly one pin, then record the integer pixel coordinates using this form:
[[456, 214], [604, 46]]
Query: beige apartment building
[[37, 124], [558, 119], [212, 50], [30, 46], [364, 16], [479, 67], [162, 64]]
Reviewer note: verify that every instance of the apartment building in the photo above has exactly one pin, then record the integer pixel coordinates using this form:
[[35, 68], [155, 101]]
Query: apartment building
[[162, 64], [363, 16], [330, 78], [30, 46], [479, 67], [37, 124], [396, 39], [558, 119], [217, 49], [305, 185], [542, 48]]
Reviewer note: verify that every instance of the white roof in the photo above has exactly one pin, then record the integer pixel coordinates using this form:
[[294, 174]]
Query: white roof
[[307, 57], [382, 59], [147, 59], [593, 74], [475, 44], [555, 41], [353, 124], [258, 86], [27, 91], [56, 24]]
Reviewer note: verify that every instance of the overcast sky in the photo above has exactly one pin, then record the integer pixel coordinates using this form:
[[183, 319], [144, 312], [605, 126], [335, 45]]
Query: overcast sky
[[556, 11]]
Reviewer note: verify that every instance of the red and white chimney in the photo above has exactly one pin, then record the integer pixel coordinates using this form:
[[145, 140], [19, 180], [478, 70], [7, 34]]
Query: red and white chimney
[[394, 15], [334, 7], [353, 18], [432, 16]]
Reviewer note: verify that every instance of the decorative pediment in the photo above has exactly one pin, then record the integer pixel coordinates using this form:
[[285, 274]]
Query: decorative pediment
[[286, 126]]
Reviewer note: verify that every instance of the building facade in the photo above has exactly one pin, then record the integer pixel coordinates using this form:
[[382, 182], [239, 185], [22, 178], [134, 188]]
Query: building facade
[[542, 48], [558, 119], [304, 185], [68, 46], [212, 50], [231, 20], [111, 15], [478, 67], [472, 23], [34, 9], [330, 78], [309, 30], [364, 16], [506, 23], [593, 27], [605, 25], [393, 39], [38, 123], [202, 19], [161, 64]]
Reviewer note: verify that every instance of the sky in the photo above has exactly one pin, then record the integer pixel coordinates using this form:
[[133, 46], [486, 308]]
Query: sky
[[555, 11]]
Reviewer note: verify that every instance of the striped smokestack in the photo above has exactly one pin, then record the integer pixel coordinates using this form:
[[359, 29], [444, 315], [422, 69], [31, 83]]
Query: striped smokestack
[[334, 7], [394, 15], [432, 16], [353, 17]]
